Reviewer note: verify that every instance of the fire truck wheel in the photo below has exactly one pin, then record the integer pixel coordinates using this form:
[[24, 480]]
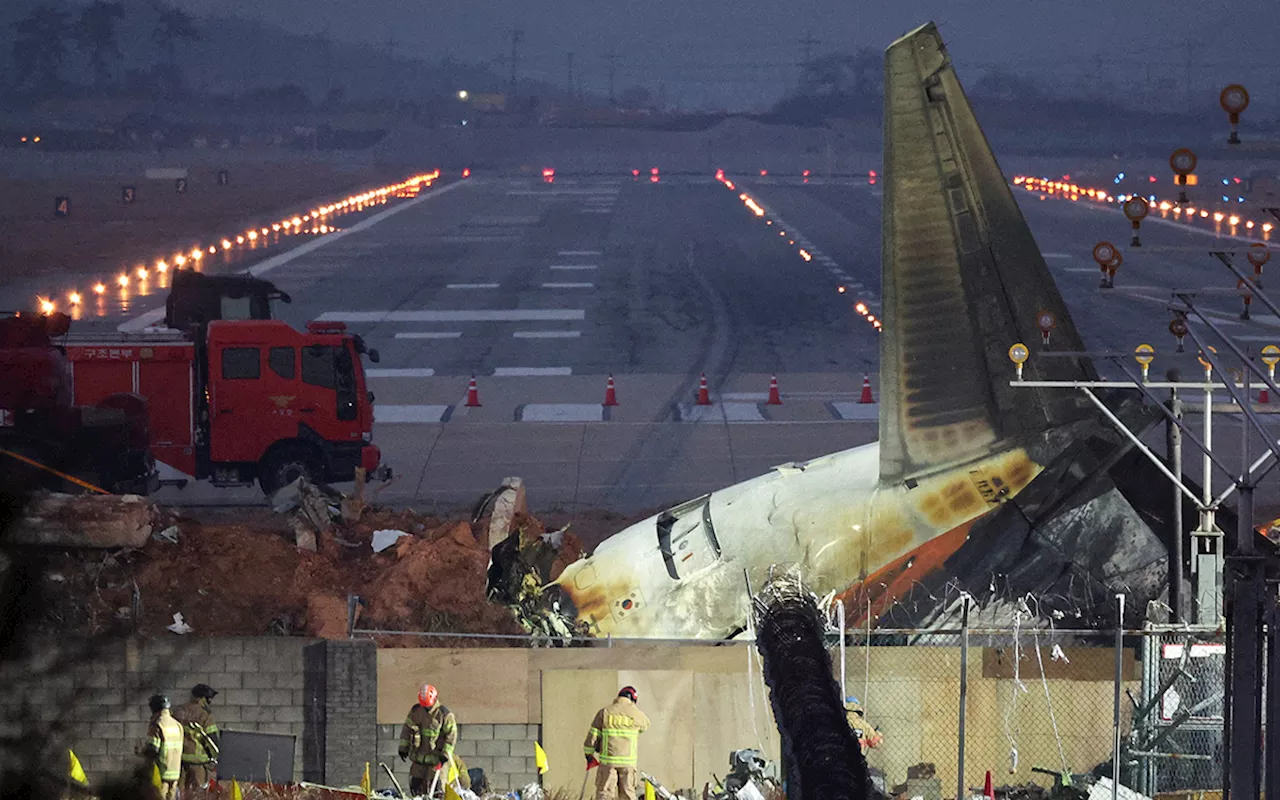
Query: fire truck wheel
[[285, 464]]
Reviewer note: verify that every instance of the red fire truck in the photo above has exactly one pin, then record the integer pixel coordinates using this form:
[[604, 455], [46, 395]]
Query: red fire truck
[[241, 400]]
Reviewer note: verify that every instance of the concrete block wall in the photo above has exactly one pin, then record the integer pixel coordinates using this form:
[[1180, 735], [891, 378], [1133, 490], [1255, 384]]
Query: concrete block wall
[[503, 751], [102, 696]]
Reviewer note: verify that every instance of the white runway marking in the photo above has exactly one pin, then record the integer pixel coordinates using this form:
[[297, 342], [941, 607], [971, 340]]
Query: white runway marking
[[410, 372], [490, 222], [389, 414], [471, 286], [861, 412], [1097, 270], [568, 285], [477, 315], [574, 266], [430, 335], [546, 334], [531, 372], [562, 412], [579, 252], [1057, 255], [724, 412]]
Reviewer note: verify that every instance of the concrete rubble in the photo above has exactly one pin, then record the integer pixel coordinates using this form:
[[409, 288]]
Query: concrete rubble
[[84, 521]]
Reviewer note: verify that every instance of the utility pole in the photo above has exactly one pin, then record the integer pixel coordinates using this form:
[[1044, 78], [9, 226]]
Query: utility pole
[[806, 45], [611, 58], [517, 36]]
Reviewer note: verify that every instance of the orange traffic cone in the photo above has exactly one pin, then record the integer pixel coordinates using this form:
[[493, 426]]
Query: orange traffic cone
[[704, 396], [866, 391], [473, 394], [775, 399], [610, 394], [988, 791]]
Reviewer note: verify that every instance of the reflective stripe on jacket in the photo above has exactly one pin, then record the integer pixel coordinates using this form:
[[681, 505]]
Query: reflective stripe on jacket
[[614, 737], [439, 734], [164, 740], [194, 716]]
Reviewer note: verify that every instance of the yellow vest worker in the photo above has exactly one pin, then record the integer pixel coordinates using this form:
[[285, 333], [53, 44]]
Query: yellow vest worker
[[613, 744], [163, 747]]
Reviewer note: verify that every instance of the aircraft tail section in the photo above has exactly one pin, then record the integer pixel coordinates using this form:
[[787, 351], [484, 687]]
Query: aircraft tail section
[[963, 279]]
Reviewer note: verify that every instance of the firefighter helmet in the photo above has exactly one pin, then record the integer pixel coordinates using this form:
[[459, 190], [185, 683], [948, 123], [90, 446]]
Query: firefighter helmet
[[427, 695], [630, 692], [158, 703]]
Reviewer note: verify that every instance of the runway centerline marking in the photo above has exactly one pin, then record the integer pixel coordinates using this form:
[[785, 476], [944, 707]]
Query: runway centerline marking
[[429, 335], [568, 286], [574, 266], [471, 286]]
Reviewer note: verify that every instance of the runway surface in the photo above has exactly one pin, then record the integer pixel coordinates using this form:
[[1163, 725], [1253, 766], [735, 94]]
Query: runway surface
[[542, 290]]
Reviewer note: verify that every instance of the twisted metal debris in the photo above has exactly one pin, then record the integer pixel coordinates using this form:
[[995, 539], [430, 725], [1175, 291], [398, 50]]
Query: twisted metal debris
[[821, 754]]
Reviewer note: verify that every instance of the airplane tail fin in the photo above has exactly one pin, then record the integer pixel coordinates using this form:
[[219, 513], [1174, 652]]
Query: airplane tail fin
[[963, 280]]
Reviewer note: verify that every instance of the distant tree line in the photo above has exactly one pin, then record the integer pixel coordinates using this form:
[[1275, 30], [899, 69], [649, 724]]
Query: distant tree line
[[44, 38]]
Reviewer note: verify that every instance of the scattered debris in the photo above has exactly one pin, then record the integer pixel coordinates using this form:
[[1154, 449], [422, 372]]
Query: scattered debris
[[751, 776], [385, 538], [520, 568], [179, 625], [1058, 655], [169, 534]]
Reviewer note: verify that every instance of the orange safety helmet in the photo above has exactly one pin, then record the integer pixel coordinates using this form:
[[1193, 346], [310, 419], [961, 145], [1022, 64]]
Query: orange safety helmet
[[427, 695]]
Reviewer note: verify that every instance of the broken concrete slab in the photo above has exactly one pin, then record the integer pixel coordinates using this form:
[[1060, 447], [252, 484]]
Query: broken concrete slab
[[93, 521], [510, 501]]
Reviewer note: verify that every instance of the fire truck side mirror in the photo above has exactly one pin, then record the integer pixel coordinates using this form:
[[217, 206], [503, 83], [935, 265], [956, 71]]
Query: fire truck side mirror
[[373, 355], [57, 324]]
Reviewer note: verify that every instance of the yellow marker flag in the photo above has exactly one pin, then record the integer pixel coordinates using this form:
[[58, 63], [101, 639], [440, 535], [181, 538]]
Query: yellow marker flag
[[540, 758], [155, 776], [366, 785], [648, 791], [450, 793], [452, 774], [236, 793], [76, 771]]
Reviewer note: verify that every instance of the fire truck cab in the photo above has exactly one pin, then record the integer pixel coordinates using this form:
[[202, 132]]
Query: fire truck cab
[[249, 400]]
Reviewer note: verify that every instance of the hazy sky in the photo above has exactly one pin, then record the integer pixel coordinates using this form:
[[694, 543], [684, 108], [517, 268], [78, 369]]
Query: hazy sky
[[737, 53]]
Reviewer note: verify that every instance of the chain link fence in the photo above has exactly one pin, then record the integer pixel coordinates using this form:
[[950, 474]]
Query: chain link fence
[[1040, 702]]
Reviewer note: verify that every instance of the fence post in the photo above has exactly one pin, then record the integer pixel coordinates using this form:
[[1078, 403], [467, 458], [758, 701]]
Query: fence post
[[964, 692], [1115, 745], [844, 687]]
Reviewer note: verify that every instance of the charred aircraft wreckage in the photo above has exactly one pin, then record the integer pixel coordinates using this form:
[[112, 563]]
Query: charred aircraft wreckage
[[974, 486]]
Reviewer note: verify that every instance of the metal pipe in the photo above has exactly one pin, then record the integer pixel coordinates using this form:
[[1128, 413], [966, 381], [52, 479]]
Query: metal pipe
[[1142, 448], [1241, 400], [1182, 427], [964, 693], [1257, 290], [1115, 744], [1173, 432], [844, 686], [1235, 349]]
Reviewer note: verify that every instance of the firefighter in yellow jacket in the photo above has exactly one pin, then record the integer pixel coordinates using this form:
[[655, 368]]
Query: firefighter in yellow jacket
[[613, 744], [427, 739], [162, 748], [202, 737]]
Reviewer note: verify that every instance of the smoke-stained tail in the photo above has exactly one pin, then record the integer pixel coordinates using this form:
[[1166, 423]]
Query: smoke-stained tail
[[963, 279]]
